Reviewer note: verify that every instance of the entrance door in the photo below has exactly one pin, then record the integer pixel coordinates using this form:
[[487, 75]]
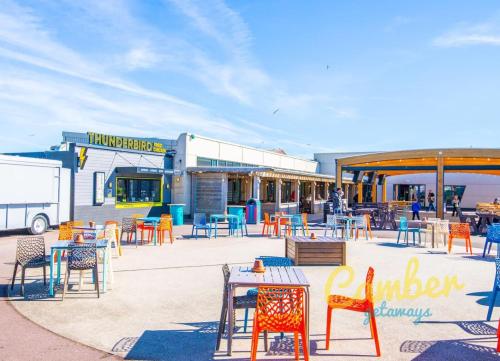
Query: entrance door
[[406, 192]]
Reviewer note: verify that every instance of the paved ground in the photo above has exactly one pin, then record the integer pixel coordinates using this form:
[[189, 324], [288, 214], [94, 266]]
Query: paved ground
[[21, 339], [165, 304]]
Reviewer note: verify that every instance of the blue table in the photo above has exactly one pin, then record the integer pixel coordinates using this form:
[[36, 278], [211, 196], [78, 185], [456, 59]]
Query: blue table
[[154, 221], [214, 219], [60, 246]]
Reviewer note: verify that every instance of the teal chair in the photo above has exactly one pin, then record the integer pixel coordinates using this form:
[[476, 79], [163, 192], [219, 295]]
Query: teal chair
[[403, 228], [295, 223]]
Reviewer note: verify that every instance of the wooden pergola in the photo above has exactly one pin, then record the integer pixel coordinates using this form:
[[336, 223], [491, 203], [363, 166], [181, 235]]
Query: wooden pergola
[[439, 161]]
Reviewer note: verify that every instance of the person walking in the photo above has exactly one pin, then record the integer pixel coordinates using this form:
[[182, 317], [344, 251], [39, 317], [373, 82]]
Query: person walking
[[430, 200], [415, 207], [455, 202]]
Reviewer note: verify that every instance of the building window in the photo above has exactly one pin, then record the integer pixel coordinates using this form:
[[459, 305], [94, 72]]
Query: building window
[[206, 162], [209, 162], [286, 192], [269, 191], [138, 190], [450, 191], [320, 191]]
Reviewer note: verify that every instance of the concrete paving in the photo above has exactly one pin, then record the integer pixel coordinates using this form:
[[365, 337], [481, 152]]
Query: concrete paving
[[165, 303]]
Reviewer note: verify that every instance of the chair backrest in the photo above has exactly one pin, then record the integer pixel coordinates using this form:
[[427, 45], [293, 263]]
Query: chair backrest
[[81, 257], [460, 229], [296, 220], [331, 219], [359, 221], [493, 233], [107, 223], [430, 219], [444, 226], [128, 224], [165, 215], [30, 249], [77, 223], [369, 284], [200, 219], [403, 223], [110, 232], [304, 218], [65, 232], [226, 272], [165, 224], [267, 218], [280, 309], [497, 273], [272, 261]]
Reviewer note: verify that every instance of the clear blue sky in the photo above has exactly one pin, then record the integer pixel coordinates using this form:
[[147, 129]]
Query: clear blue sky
[[306, 76]]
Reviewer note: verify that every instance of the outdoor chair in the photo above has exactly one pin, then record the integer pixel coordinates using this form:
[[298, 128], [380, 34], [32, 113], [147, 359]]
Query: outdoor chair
[[460, 230], [267, 261], [294, 224], [494, 291], [443, 229], [239, 302], [280, 309], [81, 258], [200, 222], [129, 226], [268, 224], [353, 304], [143, 227], [492, 236], [30, 253], [239, 224], [112, 234], [362, 223], [165, 226], [332, 222], [403, 228], [65, 232], [304, 221]]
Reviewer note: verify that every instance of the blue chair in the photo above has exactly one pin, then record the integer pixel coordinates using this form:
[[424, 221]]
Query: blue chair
[[496, 287], [333, 223], [358, 223], [268, 261], [200, 222], [295, 223], [492, 236], [239, 224], [403, 227]]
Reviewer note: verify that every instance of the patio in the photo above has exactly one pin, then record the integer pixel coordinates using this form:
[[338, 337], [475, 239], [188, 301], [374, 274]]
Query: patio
[[165, 302]]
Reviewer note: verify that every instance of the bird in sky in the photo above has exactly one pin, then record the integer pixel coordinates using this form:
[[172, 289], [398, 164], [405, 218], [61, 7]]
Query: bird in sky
[[277, 110]]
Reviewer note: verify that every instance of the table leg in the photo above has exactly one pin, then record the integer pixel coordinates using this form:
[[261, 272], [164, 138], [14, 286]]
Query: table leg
[[154, 233], [216, 226], [104, 269], [230, 319], [433, 234], [58, 280], [51, 274]]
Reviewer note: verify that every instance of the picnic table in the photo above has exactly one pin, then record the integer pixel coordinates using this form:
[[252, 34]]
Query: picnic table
[[58, 247], [215, 218], [242, 276]]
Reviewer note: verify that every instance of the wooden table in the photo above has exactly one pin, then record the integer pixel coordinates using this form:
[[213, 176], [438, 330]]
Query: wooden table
[[320, 251], [274, 276]]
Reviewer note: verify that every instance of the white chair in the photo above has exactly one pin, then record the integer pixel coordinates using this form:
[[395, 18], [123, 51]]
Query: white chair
[[333, 224], [443, 228]]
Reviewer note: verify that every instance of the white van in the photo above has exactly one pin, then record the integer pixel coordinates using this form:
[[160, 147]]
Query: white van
[[34, 193]]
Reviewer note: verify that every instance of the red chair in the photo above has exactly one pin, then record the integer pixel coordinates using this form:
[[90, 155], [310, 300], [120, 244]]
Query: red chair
[[460, 230], [353, 304], [498, 336], [268, 224], [280, 310], [141, 226]]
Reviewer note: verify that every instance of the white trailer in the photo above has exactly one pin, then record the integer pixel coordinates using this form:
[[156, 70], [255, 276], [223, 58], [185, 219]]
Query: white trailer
[[34, 193]]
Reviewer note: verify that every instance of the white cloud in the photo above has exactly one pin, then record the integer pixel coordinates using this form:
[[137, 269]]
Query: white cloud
[[467, 35], [141, 57]]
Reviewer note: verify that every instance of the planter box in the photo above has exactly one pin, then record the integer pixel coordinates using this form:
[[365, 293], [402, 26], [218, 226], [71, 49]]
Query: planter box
[[320, 251]]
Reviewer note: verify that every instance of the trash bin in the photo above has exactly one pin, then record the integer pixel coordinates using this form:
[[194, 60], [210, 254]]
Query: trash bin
[[253, 211], [177, 212]]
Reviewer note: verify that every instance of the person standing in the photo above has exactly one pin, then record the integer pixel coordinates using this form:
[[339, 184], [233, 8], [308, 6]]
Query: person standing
[[455, 202], [430, 200], [415, 207]]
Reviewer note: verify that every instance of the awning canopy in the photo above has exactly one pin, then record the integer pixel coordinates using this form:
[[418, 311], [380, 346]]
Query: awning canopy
[[267, 172]]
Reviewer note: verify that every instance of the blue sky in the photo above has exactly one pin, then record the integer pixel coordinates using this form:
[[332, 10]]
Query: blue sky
[[305, 76]]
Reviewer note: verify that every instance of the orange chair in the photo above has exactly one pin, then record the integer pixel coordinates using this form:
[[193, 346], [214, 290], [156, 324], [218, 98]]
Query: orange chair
[[65, 232], [268, 224], [280, 310], [353, 304], [498, 336], [165, 226], [460, 230], [304, 222], [143, 227], [117, 231]]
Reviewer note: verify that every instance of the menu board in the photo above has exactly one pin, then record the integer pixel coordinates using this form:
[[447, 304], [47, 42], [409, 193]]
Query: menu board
[[99, 188]]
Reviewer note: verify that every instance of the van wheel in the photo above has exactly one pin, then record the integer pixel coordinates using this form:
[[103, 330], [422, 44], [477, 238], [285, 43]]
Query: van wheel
[[38, 225]]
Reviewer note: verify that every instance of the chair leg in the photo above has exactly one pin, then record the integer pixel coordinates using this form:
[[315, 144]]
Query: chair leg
[[246, 321], [450, 241], [375, 333], [97, 281], [23, 273], [66, 282], [485, 246], [222, 324], [266, 348], [296, 344], [498, 336], [491, 304], [328, 326], [399, 234], [255, 344], [305, 346], [14, 276]]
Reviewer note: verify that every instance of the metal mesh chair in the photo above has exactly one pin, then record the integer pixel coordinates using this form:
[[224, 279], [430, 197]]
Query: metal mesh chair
[[492, 236], [81, 258], [239, 302], [129, 226], [30, 253], [496, 288], [460, 230]]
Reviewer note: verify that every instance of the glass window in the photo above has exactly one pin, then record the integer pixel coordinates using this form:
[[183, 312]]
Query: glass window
[[286, 192], [204, 162], [450, 191], [136, 190]]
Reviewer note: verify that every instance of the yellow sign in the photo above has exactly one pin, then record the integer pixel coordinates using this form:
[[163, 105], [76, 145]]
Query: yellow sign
[[411, 288], [125, 143]]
